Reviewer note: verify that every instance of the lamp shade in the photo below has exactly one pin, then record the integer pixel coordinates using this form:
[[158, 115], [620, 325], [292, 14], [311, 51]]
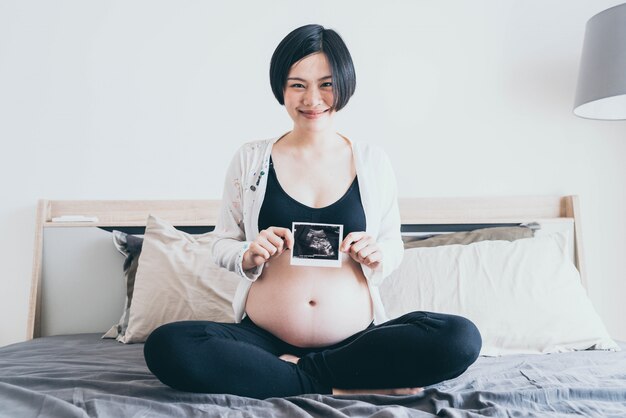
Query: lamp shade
[[601, 90]]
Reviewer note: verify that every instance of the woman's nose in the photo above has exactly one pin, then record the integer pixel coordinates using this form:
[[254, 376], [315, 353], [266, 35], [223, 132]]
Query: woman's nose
[[312, 96]]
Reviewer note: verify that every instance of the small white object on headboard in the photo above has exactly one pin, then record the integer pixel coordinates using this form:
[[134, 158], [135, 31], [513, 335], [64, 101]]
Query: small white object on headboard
[[75, 218]]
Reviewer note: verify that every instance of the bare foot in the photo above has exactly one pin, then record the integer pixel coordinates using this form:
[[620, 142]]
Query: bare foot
[[290, 358], [397, 391]]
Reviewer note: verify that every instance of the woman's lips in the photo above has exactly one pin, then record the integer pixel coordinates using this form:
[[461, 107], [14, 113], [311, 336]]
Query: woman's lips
[[313, 114]]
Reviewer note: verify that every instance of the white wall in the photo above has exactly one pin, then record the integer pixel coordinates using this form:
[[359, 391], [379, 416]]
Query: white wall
[[149, 99]]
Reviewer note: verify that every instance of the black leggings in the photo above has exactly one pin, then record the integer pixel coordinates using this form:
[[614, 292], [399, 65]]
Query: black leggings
[[414, 350]]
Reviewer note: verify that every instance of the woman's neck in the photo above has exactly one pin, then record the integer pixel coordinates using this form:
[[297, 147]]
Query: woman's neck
[[313, 139]]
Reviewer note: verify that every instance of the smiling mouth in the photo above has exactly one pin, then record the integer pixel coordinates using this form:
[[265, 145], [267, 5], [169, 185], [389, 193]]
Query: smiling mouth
[[313, 114]]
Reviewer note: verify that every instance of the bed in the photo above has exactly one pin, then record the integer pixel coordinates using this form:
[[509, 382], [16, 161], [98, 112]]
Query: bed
[[67, 369]]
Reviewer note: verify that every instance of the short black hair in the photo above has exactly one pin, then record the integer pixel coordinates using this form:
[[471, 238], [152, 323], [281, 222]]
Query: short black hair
[[307, 40]]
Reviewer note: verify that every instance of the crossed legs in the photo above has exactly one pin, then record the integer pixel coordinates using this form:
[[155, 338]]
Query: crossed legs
[[414, 350]]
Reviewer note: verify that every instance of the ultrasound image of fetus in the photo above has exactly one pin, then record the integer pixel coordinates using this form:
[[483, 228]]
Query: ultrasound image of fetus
[[316, 242]]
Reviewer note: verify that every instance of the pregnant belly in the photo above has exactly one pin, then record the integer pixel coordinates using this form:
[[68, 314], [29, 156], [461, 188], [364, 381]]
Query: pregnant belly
[[310, 306]]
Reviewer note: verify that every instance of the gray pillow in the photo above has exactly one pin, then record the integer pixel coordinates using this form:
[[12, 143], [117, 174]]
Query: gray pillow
[[500, 233]]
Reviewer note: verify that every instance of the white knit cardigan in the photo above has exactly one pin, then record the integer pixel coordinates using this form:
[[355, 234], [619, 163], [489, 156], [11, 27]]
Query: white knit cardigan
[[244, 190]]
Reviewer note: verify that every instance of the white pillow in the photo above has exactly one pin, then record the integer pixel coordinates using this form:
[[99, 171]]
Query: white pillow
[[177, 280], [524, 296]]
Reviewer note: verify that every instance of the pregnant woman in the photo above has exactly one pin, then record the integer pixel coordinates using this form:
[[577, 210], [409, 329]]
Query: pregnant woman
[[310, 329]]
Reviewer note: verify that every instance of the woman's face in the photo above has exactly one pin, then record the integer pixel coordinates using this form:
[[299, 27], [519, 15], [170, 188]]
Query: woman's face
[[309, 93]]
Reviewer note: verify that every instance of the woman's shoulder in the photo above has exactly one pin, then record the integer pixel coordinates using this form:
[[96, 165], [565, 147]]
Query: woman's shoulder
[[253, 150], [369, 152], [256, 146]]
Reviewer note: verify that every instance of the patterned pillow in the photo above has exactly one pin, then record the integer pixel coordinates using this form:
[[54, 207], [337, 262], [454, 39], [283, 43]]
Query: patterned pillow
[[130, 246], [503, 233]]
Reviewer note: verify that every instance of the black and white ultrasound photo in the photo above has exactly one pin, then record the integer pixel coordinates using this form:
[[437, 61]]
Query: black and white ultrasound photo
[[316, 244]]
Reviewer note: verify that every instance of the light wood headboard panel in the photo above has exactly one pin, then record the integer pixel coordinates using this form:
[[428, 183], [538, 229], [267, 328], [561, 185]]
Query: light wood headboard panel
[[422, 211], [134, 212]]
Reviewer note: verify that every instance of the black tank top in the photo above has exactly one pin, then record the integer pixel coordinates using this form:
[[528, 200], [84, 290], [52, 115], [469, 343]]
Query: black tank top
[[280, 209]]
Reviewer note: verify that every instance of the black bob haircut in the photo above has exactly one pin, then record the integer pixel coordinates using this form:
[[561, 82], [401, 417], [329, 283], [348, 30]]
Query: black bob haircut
[[307, 40]]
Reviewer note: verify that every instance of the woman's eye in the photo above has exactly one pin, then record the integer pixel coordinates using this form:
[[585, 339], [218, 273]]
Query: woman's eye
[[327, 84], [296, 85]]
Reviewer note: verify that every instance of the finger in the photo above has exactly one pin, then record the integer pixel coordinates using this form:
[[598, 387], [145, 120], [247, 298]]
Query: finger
[[373, 266], [253, 258], [279, 231], [364, 242], [285, 234], [373, 259], [258, 260], [347, 241], [277, 242], [263, 241], [289, 240], [257, 249], [350, 239], [366, 252]]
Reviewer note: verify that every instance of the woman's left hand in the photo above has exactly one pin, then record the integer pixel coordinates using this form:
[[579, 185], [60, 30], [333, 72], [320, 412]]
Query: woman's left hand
[[362, 248]]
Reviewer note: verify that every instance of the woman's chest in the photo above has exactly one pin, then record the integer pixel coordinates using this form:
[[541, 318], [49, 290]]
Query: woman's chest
[[315, 185], [280, 208]]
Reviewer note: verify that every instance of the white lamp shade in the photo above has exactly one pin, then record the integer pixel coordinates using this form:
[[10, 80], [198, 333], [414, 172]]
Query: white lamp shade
[[601, 91]]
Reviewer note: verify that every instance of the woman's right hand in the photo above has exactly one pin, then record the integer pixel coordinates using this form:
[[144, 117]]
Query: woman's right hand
[[270, 243]]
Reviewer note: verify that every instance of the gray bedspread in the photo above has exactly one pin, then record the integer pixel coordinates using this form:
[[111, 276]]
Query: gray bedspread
[[84, 376]]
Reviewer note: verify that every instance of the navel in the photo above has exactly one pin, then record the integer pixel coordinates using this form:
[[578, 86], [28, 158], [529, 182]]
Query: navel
[[312, 303]]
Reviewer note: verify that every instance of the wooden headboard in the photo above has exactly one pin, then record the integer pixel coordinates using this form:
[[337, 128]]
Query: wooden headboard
[[546, 210]]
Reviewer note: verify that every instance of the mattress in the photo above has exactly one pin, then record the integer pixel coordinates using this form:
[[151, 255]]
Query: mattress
[[82, 375]]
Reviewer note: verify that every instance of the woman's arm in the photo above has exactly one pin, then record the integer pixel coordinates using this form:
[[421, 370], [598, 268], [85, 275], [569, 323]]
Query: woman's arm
[[230, 236], [389, 239]]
